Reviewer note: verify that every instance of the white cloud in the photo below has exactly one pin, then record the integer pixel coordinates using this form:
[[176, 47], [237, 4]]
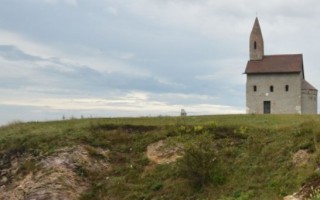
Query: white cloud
[[106, 62], [210, 18], [226, 70], [31, 47], [140, 103], [70, 2]]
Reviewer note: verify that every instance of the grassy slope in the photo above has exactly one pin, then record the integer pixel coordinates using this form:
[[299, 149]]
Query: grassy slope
[[255, 153]]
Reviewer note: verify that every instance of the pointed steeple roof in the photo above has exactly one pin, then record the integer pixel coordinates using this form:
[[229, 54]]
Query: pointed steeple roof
[[256, 42], [256, 27]]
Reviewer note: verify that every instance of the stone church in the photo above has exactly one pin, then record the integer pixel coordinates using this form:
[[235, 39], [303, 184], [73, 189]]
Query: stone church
[[276, 83]]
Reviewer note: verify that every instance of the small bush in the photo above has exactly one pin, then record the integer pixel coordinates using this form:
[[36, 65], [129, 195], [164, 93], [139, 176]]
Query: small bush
[[28, 166], [198, 129], [241, 130], [156, 186], [212, 126], [200, 164], [81, 171]]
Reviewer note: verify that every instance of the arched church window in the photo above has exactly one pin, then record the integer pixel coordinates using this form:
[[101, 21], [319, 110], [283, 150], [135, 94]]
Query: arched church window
[[271, 88], [287, 88], [254, 88], [255, 45]]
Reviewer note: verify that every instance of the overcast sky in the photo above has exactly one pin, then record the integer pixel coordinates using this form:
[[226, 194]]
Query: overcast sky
[[108, 58]]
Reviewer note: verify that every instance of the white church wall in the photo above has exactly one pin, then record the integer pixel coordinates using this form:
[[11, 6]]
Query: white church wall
[[309, 101], [282, 101]]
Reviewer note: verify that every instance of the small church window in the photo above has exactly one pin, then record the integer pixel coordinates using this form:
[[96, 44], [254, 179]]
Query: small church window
[[254, 88], [271, 88], [287, 88], [255, 45]]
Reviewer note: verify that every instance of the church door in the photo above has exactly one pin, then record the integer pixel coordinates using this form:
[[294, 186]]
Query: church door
[[266, 107]]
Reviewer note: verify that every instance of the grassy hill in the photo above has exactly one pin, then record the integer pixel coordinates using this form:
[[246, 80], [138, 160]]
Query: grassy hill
[[253, 157]]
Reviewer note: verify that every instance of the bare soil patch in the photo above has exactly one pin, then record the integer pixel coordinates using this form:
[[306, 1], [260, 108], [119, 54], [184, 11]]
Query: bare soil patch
[[162, 153]]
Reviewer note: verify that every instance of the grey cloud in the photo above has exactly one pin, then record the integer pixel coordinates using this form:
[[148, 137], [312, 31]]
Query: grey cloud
[[13, 53]]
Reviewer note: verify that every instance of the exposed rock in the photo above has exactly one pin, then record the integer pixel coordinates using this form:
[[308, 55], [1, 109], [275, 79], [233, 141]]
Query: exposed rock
[[162, 153], [3, 180], [300, 158], [56, 176], [291, 197]]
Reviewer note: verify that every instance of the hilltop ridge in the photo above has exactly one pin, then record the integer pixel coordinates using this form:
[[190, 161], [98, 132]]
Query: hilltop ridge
[[254, 157]]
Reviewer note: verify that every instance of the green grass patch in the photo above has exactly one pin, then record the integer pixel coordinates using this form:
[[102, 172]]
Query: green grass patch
[[226, 156]]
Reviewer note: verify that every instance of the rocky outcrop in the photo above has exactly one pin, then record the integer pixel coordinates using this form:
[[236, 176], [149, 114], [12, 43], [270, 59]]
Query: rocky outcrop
[[162, 153], [300, 158], [57, 176]]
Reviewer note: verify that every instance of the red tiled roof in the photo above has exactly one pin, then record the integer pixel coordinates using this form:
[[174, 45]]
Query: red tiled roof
[[276, 64], [307, 86]]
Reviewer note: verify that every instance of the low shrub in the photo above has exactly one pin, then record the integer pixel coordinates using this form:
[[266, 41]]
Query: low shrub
[[200, 164]]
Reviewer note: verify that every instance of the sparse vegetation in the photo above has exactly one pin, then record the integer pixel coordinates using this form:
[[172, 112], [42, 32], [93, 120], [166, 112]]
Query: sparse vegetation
[[225, 157]]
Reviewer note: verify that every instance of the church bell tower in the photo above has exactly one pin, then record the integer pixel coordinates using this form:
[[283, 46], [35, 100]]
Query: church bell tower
[[256, 42]]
